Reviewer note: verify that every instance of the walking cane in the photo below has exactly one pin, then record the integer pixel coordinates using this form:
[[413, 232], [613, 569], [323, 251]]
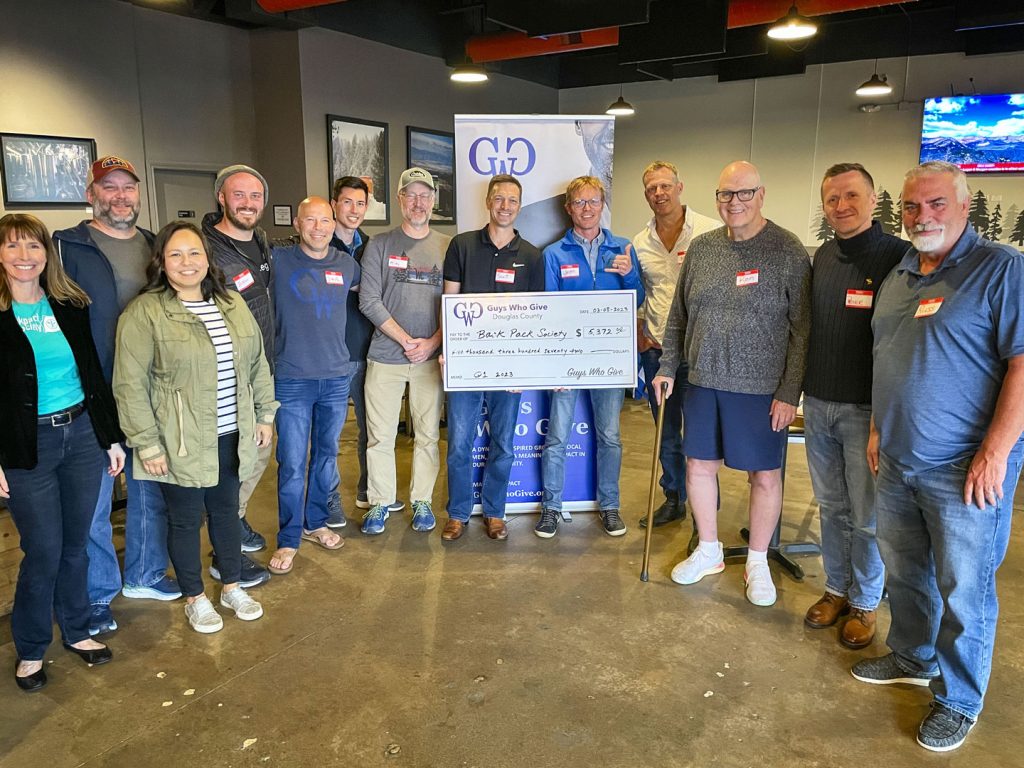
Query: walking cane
[[654, 482]]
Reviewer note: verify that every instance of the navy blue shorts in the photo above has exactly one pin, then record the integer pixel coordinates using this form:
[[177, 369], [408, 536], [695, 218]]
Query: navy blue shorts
[[728, 426]]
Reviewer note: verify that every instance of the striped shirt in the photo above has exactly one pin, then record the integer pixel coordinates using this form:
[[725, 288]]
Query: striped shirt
[[227, 404]]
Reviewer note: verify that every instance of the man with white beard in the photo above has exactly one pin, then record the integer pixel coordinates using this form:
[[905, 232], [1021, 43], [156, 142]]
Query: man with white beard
[[948, 399]]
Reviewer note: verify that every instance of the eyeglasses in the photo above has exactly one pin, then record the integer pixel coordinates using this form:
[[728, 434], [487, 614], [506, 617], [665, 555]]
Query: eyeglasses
[[579, 205], [422, 197], [726, 195]]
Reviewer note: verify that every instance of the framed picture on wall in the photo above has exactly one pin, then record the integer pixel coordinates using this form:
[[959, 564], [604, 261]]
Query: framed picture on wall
[[360, 148], [44, 170], [434, 151]]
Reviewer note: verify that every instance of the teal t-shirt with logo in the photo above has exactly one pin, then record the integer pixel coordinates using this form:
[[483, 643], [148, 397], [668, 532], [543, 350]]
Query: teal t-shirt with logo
[[56, 370]]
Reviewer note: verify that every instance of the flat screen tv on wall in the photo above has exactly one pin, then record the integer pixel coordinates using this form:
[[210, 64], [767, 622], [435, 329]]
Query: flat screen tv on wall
[[980, 134]]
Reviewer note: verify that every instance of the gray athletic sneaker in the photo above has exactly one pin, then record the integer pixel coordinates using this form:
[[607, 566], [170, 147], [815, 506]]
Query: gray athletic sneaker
[[943, 730], [885, 670]]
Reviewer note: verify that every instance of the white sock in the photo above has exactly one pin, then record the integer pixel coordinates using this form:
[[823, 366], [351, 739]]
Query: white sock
[[753, 556], [712, 549]]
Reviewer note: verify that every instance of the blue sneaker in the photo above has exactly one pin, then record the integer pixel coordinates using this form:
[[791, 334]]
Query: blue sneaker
[[165, 589], [422, 516], [373, 521], [101, 620]]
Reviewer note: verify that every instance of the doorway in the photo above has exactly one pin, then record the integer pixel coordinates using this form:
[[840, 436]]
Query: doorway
[[183, 194]]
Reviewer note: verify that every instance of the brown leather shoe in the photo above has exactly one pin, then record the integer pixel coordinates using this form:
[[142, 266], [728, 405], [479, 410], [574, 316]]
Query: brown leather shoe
[[453, 529], [826, 611], [496, 528], [859, 630]]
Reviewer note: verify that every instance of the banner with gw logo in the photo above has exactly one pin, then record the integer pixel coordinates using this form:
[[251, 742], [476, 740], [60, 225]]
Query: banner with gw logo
[[544, 153]]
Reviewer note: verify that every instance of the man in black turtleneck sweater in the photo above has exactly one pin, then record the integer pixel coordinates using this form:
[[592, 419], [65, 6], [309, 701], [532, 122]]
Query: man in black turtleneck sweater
[[847, 273]]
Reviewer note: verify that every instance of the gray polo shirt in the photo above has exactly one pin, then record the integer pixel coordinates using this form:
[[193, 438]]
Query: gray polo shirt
[[942, 342]]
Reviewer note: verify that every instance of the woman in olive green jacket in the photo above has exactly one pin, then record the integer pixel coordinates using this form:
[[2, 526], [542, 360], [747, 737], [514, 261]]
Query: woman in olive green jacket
[[195, 399]]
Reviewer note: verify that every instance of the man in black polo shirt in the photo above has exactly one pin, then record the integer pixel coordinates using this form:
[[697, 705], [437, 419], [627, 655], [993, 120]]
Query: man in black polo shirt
[[494, 259]]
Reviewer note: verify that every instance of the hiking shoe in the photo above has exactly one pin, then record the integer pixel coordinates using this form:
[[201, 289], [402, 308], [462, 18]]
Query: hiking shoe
[[362, 502], [245, 607], [612, 523], [203, 617], [942, 729], [101, 620], [373, 521], [885, 670], [422, 516], [548, 524], [252, 541], [253, 574], [760, 587], [165, 589], [335, 514], [697, 566]]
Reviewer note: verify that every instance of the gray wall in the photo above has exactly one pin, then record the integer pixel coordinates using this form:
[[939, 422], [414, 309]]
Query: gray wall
[[166, 91], [793, 128]]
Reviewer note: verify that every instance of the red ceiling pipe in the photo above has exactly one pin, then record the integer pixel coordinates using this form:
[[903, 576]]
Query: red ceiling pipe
[[502, 46], [747, 13], [280, 6]]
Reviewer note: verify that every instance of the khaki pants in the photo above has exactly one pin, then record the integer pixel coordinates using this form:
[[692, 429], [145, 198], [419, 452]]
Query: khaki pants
[[249, 484], [384, 387]]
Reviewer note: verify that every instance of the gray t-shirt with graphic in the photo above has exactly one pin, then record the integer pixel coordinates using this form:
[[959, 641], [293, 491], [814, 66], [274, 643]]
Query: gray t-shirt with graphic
[[128, 258]]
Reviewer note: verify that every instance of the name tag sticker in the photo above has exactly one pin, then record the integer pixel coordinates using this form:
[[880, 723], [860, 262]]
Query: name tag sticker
[[859, 299], [748, 277], [243, 280], [334, 278], [928, 307], [398, 262], [570, 270], [505, 276], [680, 255]]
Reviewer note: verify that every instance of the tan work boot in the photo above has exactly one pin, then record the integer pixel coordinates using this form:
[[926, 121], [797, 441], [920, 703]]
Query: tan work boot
[[859, 630], [826, 611]]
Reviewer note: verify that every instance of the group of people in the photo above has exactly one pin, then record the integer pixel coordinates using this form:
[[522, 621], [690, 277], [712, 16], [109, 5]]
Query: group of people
[[173, 356]]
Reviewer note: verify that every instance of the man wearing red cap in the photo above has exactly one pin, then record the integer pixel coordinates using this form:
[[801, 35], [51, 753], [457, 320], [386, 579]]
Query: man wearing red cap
[[107, 256]]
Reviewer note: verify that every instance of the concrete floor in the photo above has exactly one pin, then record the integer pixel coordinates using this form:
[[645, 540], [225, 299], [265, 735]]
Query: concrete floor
[[399, 650]]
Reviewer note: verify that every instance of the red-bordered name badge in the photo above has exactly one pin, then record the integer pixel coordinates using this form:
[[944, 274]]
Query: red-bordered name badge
[[243, 280], [504, 276], [748, 277], [570, 270], [859, 299], [334, 278], [398, 262], [928, 307]]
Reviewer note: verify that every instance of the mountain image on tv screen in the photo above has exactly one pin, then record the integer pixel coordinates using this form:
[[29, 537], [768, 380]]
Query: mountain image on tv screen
[[980, 134]]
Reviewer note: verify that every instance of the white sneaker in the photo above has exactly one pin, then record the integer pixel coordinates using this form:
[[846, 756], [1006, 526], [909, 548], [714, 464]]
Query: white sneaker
[[760, 587], [697, 566], [245, 607], [203, 617]]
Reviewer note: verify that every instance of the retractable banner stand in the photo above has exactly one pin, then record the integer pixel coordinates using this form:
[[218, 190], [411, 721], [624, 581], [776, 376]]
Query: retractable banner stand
[[544, 153]]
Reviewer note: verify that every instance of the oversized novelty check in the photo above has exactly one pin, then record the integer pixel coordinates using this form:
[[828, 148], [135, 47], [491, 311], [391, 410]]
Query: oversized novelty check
[[573, 339]]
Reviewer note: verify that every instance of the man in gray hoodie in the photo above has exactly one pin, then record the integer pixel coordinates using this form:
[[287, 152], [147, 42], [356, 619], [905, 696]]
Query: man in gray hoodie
[[741, 318]]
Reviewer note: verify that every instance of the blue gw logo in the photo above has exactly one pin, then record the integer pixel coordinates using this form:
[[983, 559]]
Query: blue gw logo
[[468, 312], [487, 159]]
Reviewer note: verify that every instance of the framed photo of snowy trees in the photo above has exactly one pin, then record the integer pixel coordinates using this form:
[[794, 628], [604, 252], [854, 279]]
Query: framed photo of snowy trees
[[45, 171], [360, 148]]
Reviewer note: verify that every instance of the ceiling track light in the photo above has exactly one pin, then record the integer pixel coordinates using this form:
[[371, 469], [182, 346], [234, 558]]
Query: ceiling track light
[[620, 107], [468, 73], [793, 26]]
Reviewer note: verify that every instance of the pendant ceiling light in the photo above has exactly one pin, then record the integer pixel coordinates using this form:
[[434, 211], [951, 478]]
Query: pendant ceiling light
[[620, 107], [876, 86], [793, 26], [468, 73]]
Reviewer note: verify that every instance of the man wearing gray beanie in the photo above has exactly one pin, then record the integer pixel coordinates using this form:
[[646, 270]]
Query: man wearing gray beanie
[[240, 248]]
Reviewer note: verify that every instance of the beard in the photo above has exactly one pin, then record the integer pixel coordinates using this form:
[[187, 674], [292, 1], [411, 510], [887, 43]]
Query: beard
[[927, 243], [103, 213], [242, 224]]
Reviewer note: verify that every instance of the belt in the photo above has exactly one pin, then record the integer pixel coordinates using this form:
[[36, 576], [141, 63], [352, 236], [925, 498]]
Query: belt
[[63, 418]]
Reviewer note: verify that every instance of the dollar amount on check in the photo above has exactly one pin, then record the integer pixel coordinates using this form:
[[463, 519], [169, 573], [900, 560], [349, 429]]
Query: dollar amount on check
[[576, 339]]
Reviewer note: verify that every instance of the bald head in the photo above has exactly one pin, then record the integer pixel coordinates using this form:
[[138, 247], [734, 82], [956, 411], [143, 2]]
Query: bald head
[[740, 197], [314, 222]]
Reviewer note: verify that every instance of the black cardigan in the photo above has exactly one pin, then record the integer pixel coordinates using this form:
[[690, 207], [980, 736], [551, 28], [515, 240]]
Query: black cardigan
[[19, 396]]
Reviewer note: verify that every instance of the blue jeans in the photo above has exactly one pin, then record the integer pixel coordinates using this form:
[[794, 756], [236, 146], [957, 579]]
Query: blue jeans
[[673, 466], [941, 556], [837, 439], [464, 414], [52, 506], [145, 530], [104, 570], [309, 422], [606, 405], [359, 406]]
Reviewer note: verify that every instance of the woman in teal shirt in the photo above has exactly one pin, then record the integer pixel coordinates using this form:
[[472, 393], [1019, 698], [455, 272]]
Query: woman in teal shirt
[[57, 418]]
